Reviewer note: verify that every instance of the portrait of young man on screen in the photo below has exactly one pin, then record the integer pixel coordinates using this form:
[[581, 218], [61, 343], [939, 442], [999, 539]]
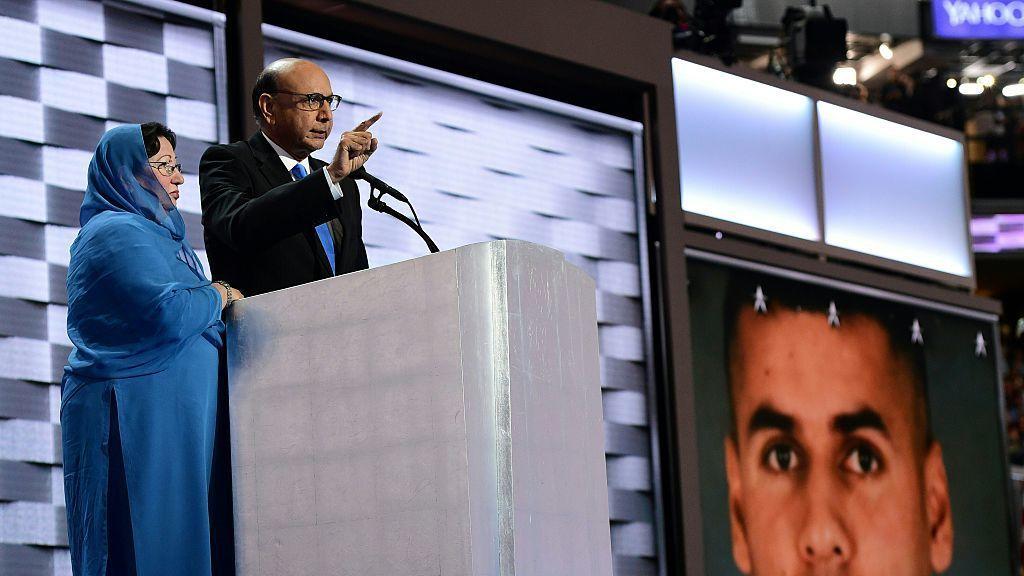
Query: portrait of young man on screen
[[831, 464]]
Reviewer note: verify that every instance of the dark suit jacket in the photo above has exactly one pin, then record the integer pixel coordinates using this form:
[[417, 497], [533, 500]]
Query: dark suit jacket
[[260, 225]]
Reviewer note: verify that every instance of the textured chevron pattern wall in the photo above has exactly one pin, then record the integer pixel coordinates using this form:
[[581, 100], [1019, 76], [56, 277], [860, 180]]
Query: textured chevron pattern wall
[[70, 69]]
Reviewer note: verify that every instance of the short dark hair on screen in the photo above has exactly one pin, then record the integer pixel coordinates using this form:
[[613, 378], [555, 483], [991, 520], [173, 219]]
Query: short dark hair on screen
[[151, 132], [266, 83], [895, 320]]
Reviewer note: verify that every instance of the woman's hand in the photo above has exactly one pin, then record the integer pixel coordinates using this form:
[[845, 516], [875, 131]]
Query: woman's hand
[[223, 294], [222, 289]]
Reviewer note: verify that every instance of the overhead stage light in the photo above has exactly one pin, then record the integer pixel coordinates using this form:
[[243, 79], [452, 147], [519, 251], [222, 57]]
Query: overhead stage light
[[971, 89], [1012, 90], [845, 76]]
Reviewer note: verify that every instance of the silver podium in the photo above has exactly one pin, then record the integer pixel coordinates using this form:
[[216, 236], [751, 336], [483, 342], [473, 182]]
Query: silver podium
[[440, 416]]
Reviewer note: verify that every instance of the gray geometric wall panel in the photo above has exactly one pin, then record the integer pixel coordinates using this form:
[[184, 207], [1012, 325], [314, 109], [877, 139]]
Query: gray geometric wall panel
[[69, 70]]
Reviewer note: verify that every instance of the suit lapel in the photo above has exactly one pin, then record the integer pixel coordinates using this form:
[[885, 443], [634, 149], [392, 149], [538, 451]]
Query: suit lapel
[[274, 172], [269, 164]]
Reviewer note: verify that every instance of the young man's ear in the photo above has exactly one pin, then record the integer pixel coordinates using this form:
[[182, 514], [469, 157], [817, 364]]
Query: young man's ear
[[740, 548], [940, 512]]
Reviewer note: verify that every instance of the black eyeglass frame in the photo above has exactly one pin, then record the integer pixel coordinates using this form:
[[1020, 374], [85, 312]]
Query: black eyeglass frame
[[313, 101]]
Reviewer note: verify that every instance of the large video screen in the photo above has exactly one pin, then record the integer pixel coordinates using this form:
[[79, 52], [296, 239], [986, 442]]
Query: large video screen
[[844, 429], [893, 191], [845, 182], [746, 151]]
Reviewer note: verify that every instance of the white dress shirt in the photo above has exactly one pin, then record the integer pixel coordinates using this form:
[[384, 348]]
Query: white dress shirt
[[290, 163]]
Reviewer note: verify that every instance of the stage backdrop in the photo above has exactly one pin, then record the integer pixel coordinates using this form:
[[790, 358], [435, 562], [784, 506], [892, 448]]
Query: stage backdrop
[[482, 162], [738, 314], [514, 166], [69, 70]]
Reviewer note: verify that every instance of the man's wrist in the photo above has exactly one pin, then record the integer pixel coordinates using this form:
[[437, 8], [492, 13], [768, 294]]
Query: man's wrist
[[334, 185], [334, 173]]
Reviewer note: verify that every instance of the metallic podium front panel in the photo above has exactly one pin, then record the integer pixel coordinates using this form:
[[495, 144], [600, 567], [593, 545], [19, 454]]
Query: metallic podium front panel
[[437, 416]]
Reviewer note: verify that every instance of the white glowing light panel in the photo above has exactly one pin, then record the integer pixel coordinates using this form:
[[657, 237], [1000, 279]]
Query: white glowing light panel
[[893, 191], [69, 70], [746, 151], [482, 162]]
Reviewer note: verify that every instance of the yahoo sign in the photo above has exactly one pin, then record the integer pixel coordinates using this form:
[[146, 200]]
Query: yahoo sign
[[978, 19]]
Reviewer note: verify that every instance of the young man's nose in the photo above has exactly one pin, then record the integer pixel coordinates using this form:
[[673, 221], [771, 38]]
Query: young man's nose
[[824, 538]]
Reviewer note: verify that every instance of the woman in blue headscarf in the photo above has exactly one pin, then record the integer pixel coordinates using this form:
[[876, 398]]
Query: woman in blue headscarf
[[140, 391]]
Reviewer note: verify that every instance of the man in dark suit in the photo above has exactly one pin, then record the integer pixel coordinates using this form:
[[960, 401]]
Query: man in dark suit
[[273, 216]]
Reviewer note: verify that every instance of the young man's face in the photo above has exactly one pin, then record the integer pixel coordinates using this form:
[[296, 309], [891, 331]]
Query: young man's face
[[830, 471]]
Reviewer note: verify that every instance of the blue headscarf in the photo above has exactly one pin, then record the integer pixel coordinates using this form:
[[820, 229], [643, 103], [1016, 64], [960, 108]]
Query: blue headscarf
[[137, 293], [121, 180]]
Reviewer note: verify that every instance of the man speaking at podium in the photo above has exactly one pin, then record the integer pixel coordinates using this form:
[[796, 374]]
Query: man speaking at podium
[[274, 217]]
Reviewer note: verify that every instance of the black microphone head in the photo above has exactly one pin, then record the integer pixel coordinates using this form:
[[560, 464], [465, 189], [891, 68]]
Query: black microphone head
[[361, 174]]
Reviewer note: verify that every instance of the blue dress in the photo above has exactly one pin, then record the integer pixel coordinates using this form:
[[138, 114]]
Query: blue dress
[[139, 396]]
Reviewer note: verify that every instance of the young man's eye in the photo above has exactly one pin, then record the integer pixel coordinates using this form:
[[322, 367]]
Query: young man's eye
[[862, 460], [781, 458]]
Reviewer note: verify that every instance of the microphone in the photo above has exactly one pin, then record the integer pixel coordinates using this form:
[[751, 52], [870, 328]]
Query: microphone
[[376, 202], [361, 174]]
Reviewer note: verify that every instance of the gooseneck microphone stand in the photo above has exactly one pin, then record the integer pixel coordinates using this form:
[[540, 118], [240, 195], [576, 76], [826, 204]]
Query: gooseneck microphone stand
[[378, 188]]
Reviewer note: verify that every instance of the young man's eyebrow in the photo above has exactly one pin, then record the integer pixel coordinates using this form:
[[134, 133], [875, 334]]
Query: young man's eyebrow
[[768, 418], [863, 418]]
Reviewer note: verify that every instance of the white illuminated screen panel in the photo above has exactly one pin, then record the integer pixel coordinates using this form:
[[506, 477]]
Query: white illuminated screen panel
[[893, 191], [746, 151]]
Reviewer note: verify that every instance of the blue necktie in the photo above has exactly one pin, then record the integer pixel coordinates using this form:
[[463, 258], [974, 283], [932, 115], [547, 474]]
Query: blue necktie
[[323, 230]]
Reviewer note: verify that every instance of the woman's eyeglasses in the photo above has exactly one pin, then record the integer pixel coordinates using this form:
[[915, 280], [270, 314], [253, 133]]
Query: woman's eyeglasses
[[166, 168], [313, 102]]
